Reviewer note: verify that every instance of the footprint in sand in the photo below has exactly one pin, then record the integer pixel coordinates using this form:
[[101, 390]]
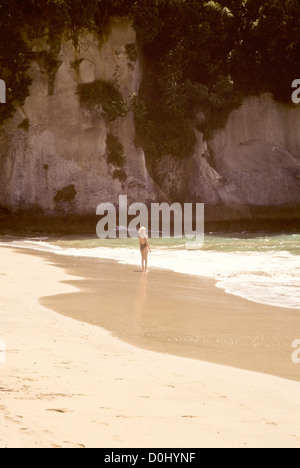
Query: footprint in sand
[[6, 390], [128, 417], [62, 411], [270, 423], [75, 445], [222, 397], [13, 419]]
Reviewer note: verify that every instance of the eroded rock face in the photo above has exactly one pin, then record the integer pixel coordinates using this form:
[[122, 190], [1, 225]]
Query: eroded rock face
[[53, 153], [258, 156], [65, 144], [251, 168]]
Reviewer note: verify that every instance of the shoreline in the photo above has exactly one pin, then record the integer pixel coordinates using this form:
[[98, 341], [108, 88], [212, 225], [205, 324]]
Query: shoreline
[[219, 280], [178, 314], [71, 384], [257, 267], [149, 313]]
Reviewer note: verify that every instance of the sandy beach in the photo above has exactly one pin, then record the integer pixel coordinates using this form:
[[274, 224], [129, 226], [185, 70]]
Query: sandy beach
[[70, 383], [178, 314]]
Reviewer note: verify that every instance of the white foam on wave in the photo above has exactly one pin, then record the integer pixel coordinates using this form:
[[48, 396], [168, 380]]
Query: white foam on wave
[[265, 277]]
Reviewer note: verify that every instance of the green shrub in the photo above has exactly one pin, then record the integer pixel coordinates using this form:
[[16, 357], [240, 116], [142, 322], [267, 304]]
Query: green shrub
[[131, 52], [120, 175], [24, 125], [103, 96], [115, 151], [66, 195], [145, 128]]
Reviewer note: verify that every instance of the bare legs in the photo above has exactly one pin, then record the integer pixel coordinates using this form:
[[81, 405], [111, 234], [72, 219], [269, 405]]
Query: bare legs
[[144, 261]]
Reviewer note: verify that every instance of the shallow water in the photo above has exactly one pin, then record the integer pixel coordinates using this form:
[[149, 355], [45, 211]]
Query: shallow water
[[262, 268]]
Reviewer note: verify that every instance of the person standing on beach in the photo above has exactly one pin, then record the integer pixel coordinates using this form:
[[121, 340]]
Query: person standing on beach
[[144, 247]]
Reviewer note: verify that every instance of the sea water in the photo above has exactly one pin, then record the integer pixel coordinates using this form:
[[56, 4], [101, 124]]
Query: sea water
[[259, 267]]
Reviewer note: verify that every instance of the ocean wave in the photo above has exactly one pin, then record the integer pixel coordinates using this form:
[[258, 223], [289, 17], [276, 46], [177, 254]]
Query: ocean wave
[[266, 277]]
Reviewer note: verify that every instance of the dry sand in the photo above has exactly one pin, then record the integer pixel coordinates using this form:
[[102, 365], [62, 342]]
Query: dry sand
[[71, 384]]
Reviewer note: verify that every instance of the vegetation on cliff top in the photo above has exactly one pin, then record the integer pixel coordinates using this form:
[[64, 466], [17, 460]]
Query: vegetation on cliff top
[[204, 57], [201, 57], [27, 20]]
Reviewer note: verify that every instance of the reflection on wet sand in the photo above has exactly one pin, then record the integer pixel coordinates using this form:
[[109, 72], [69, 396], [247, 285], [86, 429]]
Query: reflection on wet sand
[[141, 295], [180, 314]]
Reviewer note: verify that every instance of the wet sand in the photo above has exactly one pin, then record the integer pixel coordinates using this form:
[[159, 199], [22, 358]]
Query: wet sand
[[66, 383], [178, 314]]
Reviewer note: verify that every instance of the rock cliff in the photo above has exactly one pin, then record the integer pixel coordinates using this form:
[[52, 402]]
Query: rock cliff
[[59, 162], [54, 155], [249, 170]]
